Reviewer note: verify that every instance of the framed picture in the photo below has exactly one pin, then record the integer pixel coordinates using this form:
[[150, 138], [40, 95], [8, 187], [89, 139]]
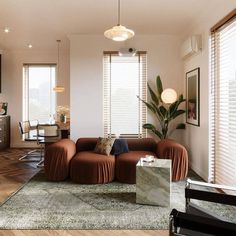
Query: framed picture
[[193, 97]]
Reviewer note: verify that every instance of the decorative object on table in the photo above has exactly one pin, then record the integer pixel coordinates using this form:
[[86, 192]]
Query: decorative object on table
[[148, 158], [193, 97], [57, 88], [3, 108], [119, 32], [165, 106], [63, 113]]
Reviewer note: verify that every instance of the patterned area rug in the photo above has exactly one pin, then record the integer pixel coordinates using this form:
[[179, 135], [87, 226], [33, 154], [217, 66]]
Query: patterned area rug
[[65, 205]]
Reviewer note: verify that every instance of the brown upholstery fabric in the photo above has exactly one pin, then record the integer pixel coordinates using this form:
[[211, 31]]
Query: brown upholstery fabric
[[126, 165], [88, 167], [169, 149], [144, 144], [57, 159], [86, 144]]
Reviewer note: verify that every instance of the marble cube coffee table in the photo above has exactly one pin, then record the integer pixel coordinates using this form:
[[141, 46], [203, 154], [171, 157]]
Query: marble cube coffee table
[[153, 182]]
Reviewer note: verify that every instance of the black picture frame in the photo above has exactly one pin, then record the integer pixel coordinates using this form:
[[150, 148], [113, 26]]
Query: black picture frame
[[193, 97]]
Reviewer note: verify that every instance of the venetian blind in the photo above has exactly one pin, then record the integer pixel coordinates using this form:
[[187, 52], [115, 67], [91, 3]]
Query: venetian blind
[[39, 99], [223, 103], [124, 78]]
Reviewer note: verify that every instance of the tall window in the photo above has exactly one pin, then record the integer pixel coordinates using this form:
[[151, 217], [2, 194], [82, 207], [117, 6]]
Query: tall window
[[39, 98], [125, 78], [223, 102]]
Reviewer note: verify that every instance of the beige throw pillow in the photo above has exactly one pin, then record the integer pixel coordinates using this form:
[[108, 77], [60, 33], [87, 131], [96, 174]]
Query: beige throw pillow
[[104, 146]]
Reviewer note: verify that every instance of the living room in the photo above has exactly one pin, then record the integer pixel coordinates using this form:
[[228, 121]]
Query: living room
[[171, 39]]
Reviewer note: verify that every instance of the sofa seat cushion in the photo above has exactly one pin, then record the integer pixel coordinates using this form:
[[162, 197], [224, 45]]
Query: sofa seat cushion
[[126, 165], [88, 167]]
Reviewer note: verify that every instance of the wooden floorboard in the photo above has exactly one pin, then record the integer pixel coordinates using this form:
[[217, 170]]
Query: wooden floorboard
[[83, 232], [14, 174]]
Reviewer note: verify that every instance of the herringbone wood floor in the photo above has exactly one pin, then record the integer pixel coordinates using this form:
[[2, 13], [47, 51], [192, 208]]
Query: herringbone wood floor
[[14, 174]]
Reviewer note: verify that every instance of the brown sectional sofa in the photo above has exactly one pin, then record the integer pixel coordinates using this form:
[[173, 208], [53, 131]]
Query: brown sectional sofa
[[78, 161]]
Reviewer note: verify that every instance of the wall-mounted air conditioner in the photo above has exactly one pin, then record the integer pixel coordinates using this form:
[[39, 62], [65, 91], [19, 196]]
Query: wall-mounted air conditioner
[[191, 45]]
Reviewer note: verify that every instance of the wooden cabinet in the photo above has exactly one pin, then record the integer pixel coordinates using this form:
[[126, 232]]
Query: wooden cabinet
[[4, 132]]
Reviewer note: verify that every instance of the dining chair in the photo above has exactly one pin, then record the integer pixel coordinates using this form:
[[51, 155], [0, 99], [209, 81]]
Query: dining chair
[[28, 133], [46, 134]]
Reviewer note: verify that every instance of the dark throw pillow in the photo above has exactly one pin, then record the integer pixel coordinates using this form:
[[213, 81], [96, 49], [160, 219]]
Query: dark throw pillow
[[104, 146], [120, 146]]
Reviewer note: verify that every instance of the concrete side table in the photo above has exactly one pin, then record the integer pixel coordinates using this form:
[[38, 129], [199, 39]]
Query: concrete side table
[[153, 182]]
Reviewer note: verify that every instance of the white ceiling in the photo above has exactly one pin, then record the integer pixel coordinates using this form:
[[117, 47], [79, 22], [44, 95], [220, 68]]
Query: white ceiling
[[41, 22]]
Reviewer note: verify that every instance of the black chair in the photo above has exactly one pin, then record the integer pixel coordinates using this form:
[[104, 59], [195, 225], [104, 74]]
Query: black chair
[[46, 134], [29, 134], [198, 221]]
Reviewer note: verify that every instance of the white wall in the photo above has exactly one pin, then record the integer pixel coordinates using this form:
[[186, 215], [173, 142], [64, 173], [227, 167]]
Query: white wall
[[196, 138], [86, 70], [12, 64]]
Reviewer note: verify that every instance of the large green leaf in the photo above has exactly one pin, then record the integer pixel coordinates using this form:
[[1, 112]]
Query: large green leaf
[[153, 129], [158, 112], [159, 87], [178, 113], [153, 95], [163, 111], [148, 105], [174, 106], [180, 126]]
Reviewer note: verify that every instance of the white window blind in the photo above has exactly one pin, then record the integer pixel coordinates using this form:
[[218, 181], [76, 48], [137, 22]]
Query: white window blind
[[39, 100], [125, 78], [223, 104]]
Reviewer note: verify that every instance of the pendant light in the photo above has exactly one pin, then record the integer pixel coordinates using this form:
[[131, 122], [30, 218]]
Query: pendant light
[[58, 89], [119, 32]]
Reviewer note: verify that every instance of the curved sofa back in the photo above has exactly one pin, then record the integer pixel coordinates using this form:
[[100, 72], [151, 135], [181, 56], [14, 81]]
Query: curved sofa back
[[86, 144], [142, 144], [137, 144]]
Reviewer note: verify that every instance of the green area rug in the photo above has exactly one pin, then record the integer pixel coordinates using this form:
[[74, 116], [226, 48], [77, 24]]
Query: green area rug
[[65, 205]]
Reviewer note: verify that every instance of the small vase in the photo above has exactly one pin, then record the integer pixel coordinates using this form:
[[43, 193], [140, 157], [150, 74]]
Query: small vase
[[63, 118]]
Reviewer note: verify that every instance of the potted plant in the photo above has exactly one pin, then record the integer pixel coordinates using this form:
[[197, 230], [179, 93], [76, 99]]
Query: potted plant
[[165, 113]]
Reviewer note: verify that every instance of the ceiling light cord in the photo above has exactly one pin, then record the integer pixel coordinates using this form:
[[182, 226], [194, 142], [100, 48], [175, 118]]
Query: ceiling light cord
[[58, 58], [118, 12]]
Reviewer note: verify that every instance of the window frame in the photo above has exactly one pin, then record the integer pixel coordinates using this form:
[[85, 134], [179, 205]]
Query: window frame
[[142, 57], [213, 88], [26, 66]]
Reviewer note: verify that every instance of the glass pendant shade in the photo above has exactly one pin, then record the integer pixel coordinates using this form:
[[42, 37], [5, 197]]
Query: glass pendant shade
[[119, 33], [58, 89]]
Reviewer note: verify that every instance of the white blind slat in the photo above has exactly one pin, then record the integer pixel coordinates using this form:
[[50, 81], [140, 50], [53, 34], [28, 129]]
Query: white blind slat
[[223, 105], [124, 78]]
